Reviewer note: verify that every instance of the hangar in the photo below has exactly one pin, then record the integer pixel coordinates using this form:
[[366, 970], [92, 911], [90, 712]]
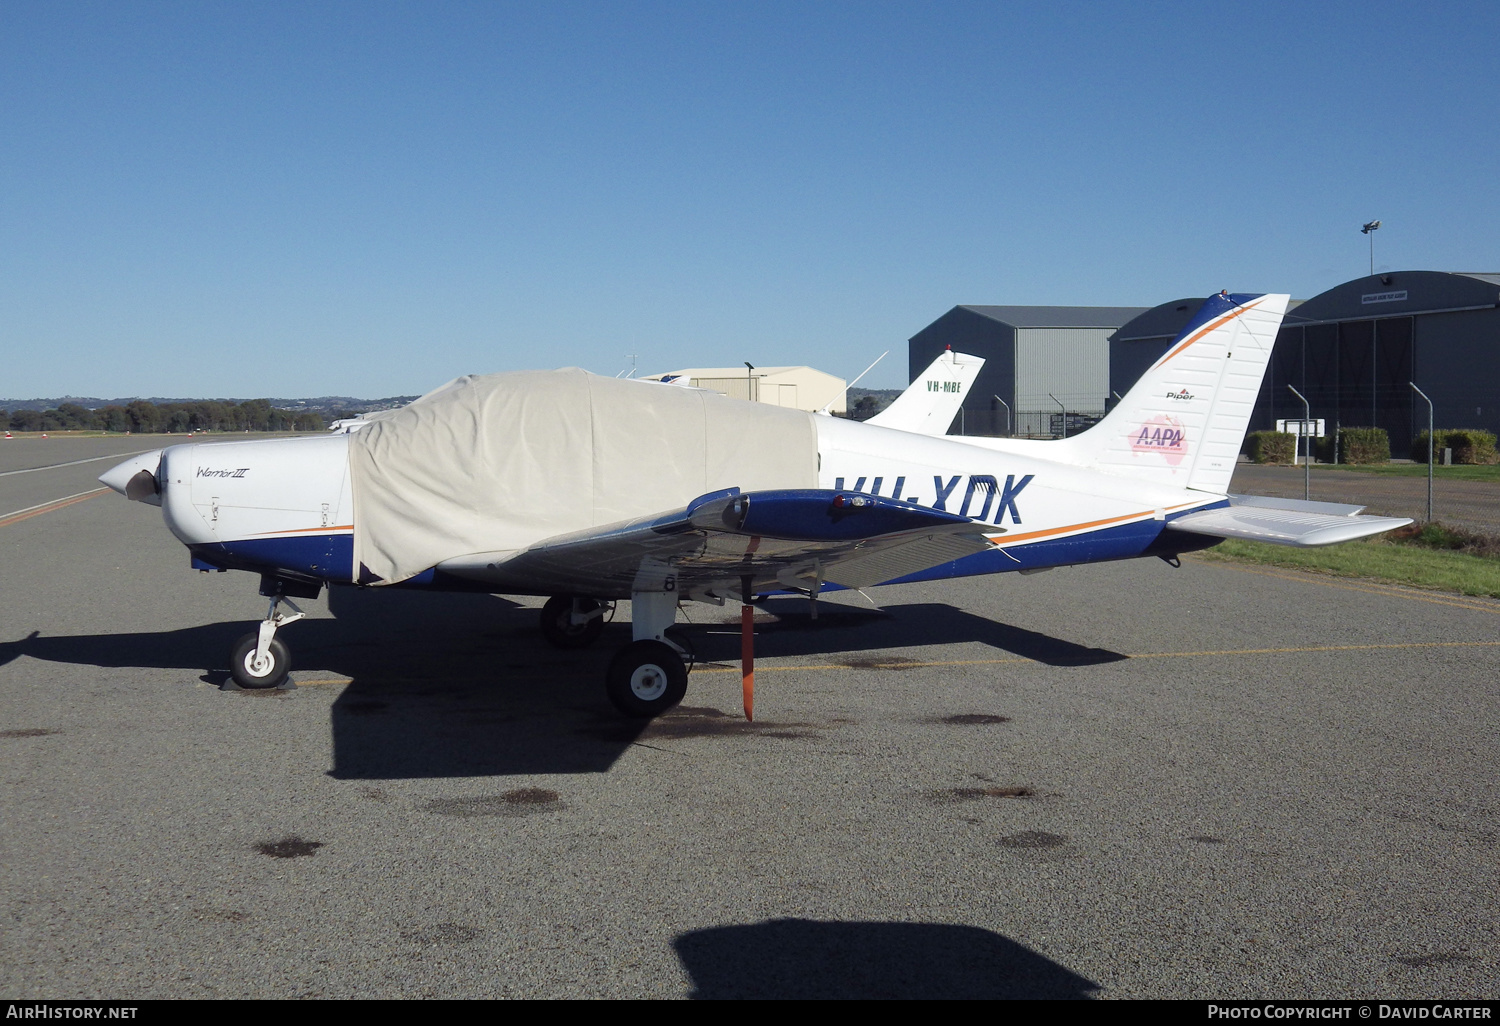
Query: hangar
[[1046, 368], [1353, 350], [800, 388]]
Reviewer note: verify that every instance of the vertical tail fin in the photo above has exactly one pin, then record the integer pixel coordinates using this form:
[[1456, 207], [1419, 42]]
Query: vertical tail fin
[[1184, 421], [930, 403]]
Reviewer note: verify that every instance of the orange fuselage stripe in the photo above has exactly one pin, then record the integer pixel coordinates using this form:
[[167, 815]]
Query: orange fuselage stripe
[[306, 530], [1051, 531]]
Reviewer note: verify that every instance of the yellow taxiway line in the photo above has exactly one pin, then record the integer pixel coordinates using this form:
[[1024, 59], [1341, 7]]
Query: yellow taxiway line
[[902, 665]]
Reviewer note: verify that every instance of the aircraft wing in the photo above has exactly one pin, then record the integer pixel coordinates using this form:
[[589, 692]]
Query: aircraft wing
[[1285, 521], [799, 539]]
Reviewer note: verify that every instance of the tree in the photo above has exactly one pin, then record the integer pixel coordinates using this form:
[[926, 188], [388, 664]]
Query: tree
[[77, 418], [144, 417], [114, 418]]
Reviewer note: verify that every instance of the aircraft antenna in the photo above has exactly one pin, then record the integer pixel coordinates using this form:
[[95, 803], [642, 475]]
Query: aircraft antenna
[[856, 381]]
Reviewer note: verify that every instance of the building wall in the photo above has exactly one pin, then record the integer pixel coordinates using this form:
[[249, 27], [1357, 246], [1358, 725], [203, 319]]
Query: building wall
[[1070, 363], [799, 388], [976, 335], [1458, 365], [1357, 372]]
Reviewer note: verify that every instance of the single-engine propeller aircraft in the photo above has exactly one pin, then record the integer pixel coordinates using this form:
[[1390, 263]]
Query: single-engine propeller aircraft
[[591, 490]]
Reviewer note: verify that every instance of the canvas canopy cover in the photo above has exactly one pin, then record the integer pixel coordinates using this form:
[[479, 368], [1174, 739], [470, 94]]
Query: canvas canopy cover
[[497, 462]]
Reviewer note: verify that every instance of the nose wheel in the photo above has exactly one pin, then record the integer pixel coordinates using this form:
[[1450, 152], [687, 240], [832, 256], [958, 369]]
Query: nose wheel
[[255, 672], [261, 660]]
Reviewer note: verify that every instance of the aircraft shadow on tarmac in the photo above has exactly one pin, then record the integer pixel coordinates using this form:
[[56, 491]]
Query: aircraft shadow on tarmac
[[463, 685], [801, 958]]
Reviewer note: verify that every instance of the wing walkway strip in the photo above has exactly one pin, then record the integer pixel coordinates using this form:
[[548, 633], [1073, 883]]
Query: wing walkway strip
[[1022, 659], [47, 507], [92, 459]]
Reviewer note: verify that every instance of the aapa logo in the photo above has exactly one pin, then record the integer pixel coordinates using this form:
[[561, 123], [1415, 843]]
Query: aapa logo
[[1161, 434]]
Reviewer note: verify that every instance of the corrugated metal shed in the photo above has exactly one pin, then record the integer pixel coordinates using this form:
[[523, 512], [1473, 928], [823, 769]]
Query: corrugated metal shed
[[1031, 354]]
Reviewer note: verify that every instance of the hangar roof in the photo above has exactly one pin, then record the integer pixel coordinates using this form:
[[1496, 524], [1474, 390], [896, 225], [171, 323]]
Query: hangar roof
[[1058, 316], [1395, 293]]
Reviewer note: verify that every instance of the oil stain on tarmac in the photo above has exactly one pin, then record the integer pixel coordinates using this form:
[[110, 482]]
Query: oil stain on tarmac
[[973, 794], [697, 721], [524, 801], [290, 847], [442, 935], [1033, 839]]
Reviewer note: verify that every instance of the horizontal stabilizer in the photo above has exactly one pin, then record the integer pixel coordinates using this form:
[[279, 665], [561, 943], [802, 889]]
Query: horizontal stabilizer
[[1283, 526], [1337, 509]]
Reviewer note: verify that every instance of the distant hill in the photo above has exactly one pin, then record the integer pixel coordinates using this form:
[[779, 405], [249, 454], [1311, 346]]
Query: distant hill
[[864, 403], [322, 404]]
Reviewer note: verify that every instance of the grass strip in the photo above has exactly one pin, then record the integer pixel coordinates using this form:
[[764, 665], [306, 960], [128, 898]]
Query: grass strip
[[1461, 472], [1410, 565]]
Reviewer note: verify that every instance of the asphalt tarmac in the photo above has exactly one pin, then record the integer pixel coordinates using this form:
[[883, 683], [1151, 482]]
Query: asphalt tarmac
[[1112, 781]]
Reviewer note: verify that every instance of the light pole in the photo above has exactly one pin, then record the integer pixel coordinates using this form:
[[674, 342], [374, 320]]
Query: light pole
[[1369, 230], [1307, 464], [1002, 402], [749, 381], [1423, 394], [1065, 413]]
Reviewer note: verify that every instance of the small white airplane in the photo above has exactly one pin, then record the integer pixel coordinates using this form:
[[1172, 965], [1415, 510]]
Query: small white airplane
[[591, 490]]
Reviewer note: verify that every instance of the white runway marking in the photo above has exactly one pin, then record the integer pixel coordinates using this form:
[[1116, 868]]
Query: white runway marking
[[72, 463], [47, 507]]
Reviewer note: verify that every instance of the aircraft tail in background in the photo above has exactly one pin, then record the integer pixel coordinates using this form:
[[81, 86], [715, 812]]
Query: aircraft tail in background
[[931, 401]]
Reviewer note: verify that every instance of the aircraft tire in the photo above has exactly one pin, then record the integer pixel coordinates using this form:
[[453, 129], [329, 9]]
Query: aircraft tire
[[274, 674], [560, 633], [645, 679]]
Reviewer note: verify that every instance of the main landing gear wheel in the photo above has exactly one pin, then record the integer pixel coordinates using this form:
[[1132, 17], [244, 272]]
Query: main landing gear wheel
[[558, 626], [645, 679], [270, 672]]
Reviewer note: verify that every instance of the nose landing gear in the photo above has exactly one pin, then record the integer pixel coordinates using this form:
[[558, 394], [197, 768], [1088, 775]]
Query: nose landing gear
[[260, 659]]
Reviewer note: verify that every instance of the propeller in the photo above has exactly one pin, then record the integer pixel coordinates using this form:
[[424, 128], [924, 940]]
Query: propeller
[[139, 478], [747, 646], [141, 486]]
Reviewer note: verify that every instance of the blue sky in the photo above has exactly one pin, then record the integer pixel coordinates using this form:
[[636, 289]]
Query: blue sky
[[243, 199]]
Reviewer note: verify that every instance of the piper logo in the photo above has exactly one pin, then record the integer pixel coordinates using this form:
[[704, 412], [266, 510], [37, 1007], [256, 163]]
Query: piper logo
[[1184, 394], [1161, 434]]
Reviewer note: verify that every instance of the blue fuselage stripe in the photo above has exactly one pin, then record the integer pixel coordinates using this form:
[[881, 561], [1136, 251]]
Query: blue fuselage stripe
[[327, 557]]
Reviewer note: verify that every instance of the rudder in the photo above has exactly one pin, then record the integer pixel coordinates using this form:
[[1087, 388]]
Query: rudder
[[1184, 421]]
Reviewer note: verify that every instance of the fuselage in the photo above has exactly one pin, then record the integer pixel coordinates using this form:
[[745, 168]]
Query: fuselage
[[286, 506]]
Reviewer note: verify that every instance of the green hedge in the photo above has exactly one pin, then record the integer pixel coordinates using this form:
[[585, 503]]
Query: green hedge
[[1470, 446], [1271, 446], [1364, 445]]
